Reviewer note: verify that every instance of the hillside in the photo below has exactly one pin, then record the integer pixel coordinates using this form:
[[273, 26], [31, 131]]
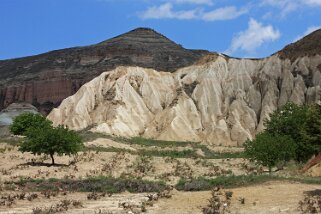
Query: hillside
[[309, 46], [46, 79]]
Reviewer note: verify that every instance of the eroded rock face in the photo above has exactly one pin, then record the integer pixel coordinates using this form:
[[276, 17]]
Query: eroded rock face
[[221, 101], [45, 80]]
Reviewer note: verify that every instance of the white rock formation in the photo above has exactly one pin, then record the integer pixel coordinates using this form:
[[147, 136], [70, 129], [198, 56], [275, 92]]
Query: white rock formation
[[223, 101]]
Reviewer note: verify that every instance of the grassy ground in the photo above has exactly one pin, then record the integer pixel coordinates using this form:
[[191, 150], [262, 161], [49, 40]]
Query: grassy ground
[[134, 185], [13, 141], [201, 183], [188, 153]]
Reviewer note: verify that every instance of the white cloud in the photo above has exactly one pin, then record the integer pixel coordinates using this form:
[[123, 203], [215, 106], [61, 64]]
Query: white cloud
[[285, 6], [224, 13], [165, 11], [308, 31], [312, 2], [253, 37], [288, 6]]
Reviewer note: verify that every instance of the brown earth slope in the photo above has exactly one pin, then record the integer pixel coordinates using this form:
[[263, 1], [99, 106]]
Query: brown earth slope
[[309, 46]]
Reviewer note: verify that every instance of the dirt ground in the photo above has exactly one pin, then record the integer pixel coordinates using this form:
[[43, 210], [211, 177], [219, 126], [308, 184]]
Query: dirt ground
[[270, 197], [14, 165]]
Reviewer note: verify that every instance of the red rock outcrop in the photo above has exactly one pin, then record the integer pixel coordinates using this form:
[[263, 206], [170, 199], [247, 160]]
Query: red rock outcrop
[[45, 94]]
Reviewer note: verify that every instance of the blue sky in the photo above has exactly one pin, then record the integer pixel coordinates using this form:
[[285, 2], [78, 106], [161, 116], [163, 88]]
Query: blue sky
[[241, 28]]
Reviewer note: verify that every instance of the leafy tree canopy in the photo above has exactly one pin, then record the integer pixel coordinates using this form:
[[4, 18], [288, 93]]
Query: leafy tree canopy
[[302, 124], [43, 138], [292, 132], [25, 121], [50, 141]]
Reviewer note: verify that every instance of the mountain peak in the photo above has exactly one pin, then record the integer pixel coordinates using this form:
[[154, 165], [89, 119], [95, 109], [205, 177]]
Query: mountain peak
[[140, 35], [309, 45], [144, 30]]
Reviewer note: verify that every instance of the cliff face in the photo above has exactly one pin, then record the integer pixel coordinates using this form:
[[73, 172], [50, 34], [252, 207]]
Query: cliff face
[[45, 80], [220, 101]]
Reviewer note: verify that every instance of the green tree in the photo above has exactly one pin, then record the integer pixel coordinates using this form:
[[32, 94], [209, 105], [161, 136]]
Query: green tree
[[50, 141], [312, 132], [270, 150], [301, 123], [288, 120], [25, 121]]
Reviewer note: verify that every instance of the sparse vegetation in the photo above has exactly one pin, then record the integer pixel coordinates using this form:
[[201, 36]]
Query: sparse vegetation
[[62, 206], [187, 153], [311, 202], [201, 183], [12, 141], [219, 203], [142, 165], [94, 184]]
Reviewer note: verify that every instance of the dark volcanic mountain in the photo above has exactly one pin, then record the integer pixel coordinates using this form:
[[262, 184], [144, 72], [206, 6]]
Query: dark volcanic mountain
[[46, 79]]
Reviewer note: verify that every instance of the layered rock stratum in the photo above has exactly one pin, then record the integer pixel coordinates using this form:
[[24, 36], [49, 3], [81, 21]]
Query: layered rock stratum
[[46, 79]]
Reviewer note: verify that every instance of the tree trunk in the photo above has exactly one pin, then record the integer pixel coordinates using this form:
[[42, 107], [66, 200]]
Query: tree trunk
[[52, 159]]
